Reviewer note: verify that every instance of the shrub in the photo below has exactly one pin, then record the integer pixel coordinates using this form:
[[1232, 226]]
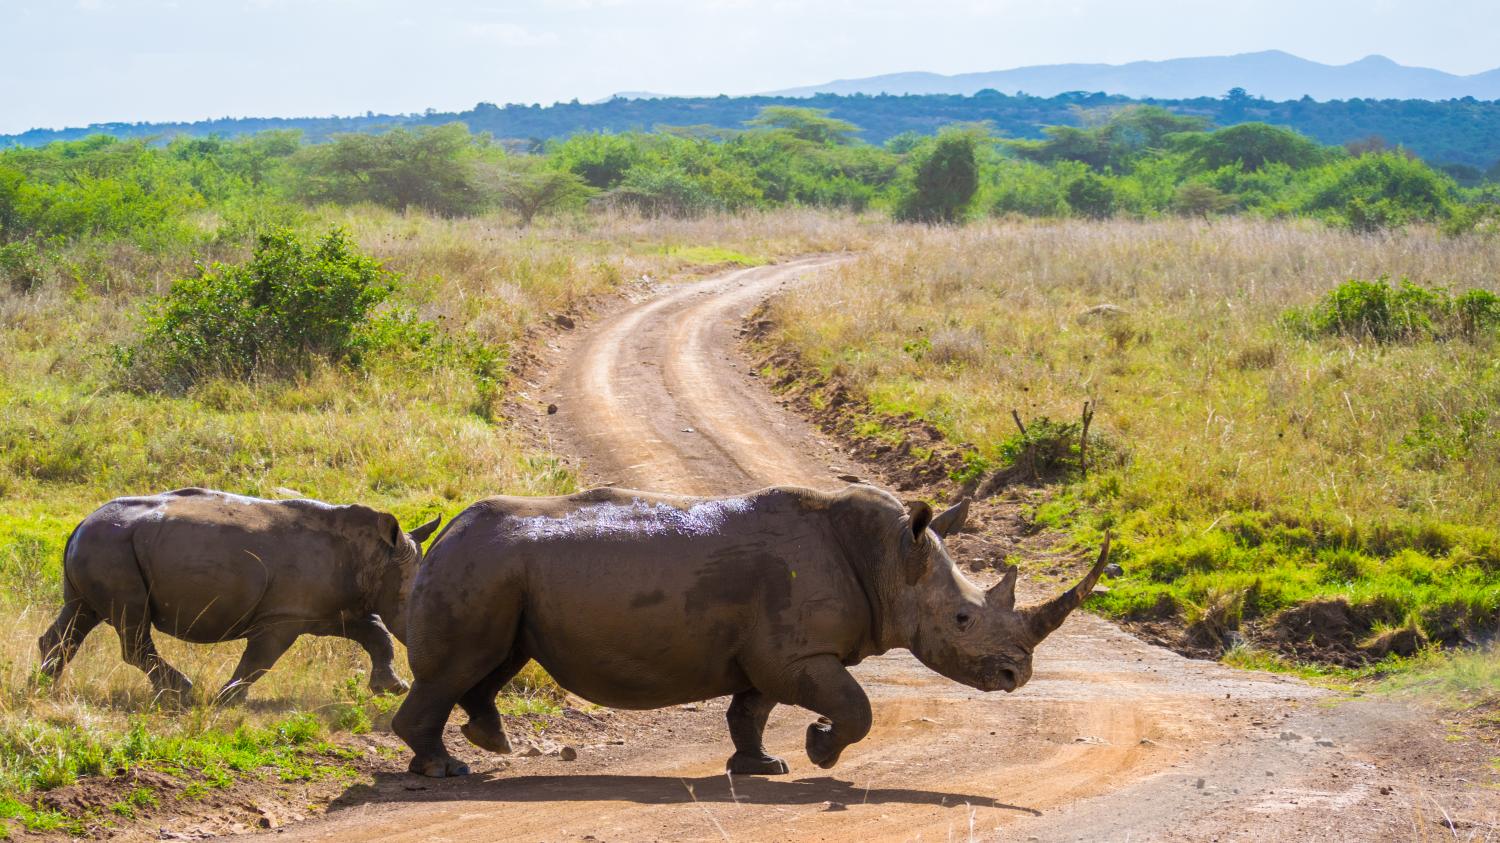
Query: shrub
[[1023, 187], [662, 192], [290, 304], [1375, 192], [601, 160], [1376, 310], [1091, 196], [942, 179], [21, 266]]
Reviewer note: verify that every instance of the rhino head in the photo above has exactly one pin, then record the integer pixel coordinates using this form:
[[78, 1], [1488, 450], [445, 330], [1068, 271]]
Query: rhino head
[[967, 634], [391, 567]]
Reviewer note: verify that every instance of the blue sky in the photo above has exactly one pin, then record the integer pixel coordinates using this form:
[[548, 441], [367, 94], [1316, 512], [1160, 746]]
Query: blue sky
[[71, 62]]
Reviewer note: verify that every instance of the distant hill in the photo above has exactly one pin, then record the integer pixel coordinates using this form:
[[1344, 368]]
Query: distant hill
[[1457, 132], [1272, 74]]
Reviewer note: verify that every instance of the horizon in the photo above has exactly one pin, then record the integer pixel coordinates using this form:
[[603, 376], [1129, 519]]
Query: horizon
[[132, 61], [642, 94]]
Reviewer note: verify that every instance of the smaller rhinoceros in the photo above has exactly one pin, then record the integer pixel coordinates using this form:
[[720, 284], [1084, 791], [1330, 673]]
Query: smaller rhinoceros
[[208, 566], [638, 600]]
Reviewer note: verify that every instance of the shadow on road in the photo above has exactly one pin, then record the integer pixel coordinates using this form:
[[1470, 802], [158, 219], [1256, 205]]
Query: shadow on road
[[650, 790]]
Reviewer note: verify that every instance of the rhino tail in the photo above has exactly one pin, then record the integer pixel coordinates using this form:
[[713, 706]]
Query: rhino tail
[[70, 589]]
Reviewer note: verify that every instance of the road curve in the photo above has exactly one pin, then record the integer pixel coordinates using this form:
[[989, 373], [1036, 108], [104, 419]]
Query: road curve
[[656, 397]]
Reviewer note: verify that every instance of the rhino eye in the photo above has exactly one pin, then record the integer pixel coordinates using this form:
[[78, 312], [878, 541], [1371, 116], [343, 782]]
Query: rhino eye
[[963, 619]]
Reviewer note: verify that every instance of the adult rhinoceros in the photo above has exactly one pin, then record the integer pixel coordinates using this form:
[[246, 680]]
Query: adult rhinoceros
[[636, 600], [209, 566]]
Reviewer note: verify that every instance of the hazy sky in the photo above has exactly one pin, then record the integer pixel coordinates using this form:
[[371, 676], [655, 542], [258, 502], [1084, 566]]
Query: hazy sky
[[71, 62]]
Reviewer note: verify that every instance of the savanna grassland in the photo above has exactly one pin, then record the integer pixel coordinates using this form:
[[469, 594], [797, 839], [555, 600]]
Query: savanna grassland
[[342, 321], [1296, 467]]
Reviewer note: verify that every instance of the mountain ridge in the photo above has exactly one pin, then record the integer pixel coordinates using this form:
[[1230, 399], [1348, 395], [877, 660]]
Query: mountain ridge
[[1268, 74]]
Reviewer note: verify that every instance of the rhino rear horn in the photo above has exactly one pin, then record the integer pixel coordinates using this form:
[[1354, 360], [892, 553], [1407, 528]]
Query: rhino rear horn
[[1046, 617], [1002, 595], [951, 519], [421, 534]]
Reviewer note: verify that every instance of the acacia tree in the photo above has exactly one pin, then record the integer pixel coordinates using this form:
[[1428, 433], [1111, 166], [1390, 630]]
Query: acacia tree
[[526, 186], [809, 124], [427, 167]]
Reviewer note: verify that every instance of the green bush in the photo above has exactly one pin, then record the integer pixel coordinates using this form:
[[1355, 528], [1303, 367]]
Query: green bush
[[663, 192], [1375, 310], [1380, 191], [21, 266], [1091, 196], [942, 178], [291, 304]]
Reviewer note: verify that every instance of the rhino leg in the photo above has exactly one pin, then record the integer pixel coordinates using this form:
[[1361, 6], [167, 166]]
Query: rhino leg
[[266, 645], [138, 649], [60, 643], [484, 728], [420, 721], [822, 684], [747, 725], [370, 633]]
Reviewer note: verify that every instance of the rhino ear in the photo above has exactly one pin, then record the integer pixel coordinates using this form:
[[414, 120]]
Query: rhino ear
[[952, 519], [421, 534], [920, 515], [916, 556], [387, 528]]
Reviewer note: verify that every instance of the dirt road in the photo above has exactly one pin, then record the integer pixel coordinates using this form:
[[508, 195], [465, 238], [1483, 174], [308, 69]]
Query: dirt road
[[1112, 739]]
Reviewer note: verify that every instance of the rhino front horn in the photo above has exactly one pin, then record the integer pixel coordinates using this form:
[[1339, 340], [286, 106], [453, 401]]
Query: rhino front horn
[[1045, 618]]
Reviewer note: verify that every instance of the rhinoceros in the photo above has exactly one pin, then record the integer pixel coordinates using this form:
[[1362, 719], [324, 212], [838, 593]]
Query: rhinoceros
[[209, 566], [637, 600]]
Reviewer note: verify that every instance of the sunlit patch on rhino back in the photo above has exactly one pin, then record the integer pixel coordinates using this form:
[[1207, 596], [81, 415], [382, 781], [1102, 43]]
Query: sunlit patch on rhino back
[[637, 518]]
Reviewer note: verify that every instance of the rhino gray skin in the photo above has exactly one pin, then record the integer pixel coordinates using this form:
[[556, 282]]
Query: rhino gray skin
[[208, 566], [637, 600]]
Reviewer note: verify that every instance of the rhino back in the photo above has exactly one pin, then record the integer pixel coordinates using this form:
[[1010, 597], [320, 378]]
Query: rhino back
[[637, 601], [216, 564]]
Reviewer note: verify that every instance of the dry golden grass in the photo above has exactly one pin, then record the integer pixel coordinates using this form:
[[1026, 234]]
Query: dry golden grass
[[1195, 377]]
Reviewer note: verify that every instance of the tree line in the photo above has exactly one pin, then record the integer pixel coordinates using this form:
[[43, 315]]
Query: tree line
[[1460, 135], [1143, 162]]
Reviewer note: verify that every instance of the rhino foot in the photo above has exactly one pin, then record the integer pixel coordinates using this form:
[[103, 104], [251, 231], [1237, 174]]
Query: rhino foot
[[178, 695], [233, 693], [438, 768], [749, 764], [822, 749], [490, 738], [392, 684]]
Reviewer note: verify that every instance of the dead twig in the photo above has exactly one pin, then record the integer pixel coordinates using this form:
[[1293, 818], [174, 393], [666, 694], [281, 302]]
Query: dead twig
[[1083, 438]]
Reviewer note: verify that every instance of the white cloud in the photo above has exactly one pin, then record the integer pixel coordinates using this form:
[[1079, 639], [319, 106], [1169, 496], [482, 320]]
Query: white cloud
[[511, 35]]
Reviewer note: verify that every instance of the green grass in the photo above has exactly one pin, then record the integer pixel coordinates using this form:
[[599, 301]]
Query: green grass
[[1467, 680], [711, 255], [38, 756]]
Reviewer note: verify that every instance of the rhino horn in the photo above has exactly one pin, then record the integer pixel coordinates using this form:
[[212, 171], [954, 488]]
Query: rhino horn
[[1046, 617], [951, 519], [421, 534], [1002, 595]]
